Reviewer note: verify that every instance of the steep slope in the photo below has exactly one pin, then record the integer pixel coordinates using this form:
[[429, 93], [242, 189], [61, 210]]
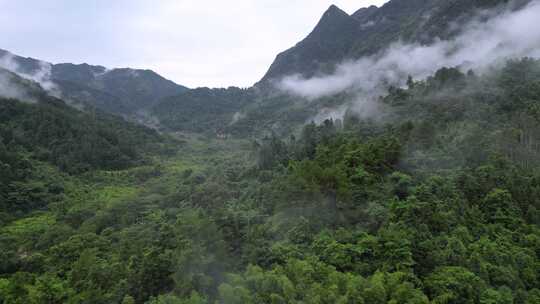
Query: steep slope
[[121, 91], [338, 36]]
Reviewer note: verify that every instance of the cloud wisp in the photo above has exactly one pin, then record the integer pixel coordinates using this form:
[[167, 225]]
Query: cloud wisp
[[42, 75], [10, 89]]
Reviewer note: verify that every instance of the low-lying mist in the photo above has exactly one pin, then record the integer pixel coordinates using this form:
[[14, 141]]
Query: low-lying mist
[[481, 44], [10, 89]]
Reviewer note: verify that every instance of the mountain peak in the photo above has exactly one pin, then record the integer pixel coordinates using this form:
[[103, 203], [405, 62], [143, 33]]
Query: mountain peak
[[333, 10], [331, 37], [333, 20]]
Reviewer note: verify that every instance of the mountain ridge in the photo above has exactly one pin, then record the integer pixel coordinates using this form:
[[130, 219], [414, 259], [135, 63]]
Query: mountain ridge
[[128, 90]]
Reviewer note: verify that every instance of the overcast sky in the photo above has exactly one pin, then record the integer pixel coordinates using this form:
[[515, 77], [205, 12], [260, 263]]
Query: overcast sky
[[213, 43]]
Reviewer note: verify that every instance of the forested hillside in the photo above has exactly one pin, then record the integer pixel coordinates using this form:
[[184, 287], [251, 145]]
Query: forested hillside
[[38, 130]]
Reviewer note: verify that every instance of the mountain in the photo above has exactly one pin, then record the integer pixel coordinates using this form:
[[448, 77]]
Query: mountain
[[339, 36], [121, 91], [135, 89]]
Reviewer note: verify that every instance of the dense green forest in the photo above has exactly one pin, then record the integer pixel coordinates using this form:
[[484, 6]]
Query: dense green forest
[[437, 201], [203, 110], [47, 131]]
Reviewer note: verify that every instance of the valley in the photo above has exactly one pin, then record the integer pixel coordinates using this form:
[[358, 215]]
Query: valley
[[352, 172]]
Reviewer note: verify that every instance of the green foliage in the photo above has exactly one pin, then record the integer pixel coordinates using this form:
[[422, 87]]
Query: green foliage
[[454, 285], [439, 206], [34, 136]]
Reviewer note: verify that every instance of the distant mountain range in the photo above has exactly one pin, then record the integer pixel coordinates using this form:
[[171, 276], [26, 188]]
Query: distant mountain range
[[336, 38], [120, 91]]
